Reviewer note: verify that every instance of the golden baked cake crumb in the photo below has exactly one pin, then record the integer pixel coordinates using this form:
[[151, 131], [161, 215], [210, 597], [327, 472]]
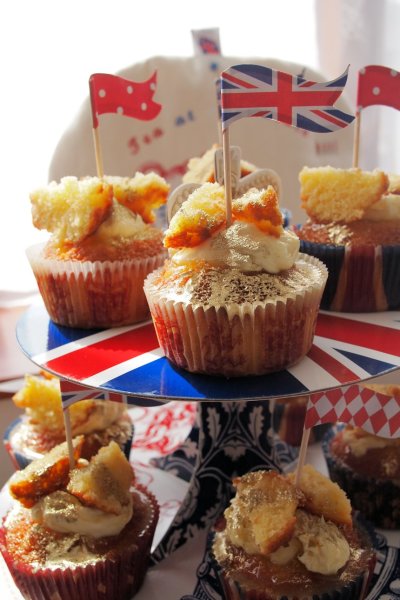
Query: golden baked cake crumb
[[269, 502], [142, 194], [44, 475], [104, 483], [202, 214], [72, 209], [323, 496], [330, 194]]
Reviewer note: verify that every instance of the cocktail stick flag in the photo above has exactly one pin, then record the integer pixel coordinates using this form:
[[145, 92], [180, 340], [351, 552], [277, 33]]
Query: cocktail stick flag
[[257, 91], [116, 95], [376, 85], [376, 413], [113, 94], [359, 406], [74, 392]]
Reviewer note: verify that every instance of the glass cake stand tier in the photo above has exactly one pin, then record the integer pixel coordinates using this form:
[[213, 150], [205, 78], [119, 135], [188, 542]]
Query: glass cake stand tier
[[233, 432]]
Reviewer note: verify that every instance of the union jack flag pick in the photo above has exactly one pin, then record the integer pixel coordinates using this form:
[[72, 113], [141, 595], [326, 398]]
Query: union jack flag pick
[[378, 85], [359, 406], [74, 392], [114, 94], [257, 91]]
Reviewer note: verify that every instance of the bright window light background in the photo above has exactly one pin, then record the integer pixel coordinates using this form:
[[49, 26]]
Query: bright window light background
[[49, 49]]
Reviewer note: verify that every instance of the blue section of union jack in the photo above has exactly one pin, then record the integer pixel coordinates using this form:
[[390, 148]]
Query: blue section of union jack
[[256, 91], [347, 348]]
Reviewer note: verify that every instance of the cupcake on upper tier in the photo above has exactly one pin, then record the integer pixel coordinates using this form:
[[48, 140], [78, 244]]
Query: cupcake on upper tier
[[234, 300], [353, 226], [103, 244]]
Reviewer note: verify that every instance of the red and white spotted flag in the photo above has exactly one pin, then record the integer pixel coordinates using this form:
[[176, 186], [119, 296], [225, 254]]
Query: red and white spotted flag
[[359, 406], [378, 85], [114, 94]]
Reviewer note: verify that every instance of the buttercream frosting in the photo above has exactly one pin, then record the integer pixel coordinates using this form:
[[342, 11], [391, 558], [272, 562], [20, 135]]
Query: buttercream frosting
[[245, 247], [62, 512]]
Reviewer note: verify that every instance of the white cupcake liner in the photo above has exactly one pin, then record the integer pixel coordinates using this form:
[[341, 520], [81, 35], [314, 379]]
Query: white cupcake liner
[[236, 339], [93, 294]]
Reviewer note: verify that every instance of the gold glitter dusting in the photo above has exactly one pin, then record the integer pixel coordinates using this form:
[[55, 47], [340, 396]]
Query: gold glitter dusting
[[218, 286]]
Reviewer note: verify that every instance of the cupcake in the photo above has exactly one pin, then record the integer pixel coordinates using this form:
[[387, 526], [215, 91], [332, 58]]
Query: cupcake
[[367, 467], [90, 273], [42, 425], [353, 226], [282, 542], [83, 534], [234, 300]]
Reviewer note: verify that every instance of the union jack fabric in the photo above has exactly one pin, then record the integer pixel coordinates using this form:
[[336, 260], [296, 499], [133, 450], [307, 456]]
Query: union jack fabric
[[359, 406], [114, 94], [378, 85], [74, 392], [257, 91], [347, 348]]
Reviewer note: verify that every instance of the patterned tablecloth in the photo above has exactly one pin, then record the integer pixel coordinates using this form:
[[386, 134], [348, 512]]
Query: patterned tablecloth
[[188, 574]]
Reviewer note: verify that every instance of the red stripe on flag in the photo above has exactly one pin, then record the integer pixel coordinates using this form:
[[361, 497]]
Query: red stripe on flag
[[331, 365], [327, 117], [366, 335], [72, 387], [244, 84], [97, 357]]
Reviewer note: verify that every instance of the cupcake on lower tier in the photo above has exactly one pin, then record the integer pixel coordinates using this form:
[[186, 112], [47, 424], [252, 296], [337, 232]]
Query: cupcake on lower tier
[[90, 273], [234, 300], [353, 226], [83, 534], [367, 467], [42, 425], [282, 542]]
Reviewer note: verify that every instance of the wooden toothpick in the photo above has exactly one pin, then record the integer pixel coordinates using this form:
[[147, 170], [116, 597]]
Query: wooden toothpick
[[356, 142], [98, 153], [302, 454], [68, 436], [227, 176]]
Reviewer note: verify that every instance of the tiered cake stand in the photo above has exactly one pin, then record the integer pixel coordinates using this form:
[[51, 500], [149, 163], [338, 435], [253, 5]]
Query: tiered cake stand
[[233, 430]]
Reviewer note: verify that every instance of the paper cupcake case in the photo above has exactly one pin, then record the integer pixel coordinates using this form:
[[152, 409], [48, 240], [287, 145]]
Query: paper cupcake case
[[391, 275], [119, 575], [93, 294], [361, 279], [236, 340], [233, 591]]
